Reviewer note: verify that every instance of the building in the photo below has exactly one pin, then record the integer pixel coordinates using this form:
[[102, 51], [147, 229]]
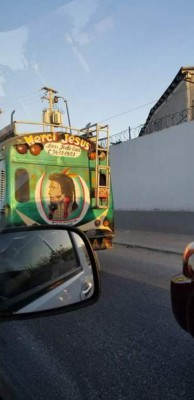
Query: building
[[175, 106]]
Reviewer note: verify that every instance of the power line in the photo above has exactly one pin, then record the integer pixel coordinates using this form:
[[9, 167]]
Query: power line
[[128, 111], [26, 96], [141, 106], [33, 94]]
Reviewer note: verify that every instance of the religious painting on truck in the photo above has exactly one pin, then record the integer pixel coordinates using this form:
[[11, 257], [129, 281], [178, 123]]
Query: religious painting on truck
[[62, 197]]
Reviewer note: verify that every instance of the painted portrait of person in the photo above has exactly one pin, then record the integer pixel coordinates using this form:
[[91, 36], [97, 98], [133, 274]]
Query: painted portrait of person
[[62, 196]]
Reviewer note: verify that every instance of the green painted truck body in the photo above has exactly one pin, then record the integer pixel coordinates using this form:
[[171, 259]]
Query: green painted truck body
[[57, 178]]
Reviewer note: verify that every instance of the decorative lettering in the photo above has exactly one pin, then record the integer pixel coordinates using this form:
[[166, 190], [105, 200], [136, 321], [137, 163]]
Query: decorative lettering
[[62, 138], [42, 138], [75, 140], [62, 150]]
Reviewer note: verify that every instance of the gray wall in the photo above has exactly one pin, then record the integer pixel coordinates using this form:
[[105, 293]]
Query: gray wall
[[155, 173], [157, 221]]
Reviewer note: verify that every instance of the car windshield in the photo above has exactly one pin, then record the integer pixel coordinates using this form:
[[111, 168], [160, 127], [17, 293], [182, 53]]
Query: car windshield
[[79, 48], [105, 91]]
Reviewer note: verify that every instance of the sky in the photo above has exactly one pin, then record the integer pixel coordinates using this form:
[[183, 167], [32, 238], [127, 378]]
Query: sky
[[111, 60]]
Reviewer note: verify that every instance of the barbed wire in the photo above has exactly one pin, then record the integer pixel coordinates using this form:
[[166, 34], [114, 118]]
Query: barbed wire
[[127, 134], [165, 122]]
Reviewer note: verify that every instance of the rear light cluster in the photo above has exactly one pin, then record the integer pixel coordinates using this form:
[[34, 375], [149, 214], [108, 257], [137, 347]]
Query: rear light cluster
[[101, 155], [105, 222]]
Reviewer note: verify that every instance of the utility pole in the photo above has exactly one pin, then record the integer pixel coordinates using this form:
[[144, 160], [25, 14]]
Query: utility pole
[[52, 99], [51, 96]]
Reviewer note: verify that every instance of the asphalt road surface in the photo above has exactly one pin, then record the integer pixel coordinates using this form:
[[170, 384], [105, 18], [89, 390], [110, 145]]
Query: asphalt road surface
[[125, 347]]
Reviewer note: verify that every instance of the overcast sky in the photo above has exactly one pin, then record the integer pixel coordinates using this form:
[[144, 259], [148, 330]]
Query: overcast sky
[[111, 60]]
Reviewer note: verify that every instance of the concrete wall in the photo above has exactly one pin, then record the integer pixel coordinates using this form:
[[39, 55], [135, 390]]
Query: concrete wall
[[157, 221], [155, 172]]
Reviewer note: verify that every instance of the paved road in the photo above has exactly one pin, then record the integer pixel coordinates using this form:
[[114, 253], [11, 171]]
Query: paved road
[[126, 346]]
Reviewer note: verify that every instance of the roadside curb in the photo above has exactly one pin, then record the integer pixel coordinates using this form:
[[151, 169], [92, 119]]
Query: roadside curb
[[151, 248]]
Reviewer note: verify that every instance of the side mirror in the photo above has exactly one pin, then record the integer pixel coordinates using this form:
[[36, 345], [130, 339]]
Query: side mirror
[[188, 261], [182, 292], [46, 270]]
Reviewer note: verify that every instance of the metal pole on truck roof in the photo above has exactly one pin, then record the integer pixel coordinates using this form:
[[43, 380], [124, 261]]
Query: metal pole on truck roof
[[12, 114]]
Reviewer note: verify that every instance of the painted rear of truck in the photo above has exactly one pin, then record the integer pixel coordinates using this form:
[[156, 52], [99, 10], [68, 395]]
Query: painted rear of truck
[[57, 178]]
